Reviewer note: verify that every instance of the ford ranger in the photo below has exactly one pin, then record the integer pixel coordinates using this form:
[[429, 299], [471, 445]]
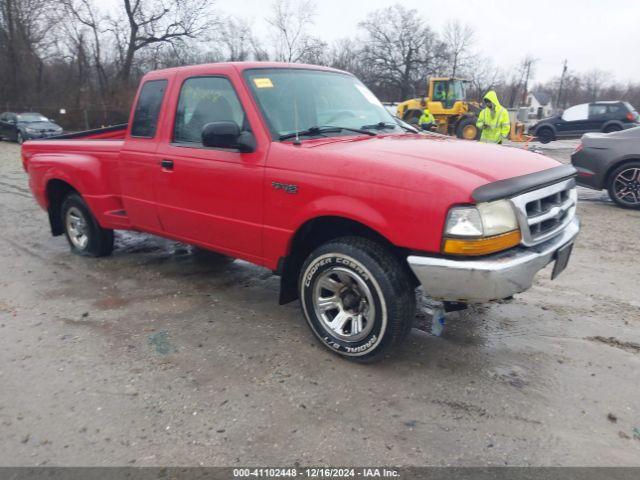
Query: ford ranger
[[300, 169]]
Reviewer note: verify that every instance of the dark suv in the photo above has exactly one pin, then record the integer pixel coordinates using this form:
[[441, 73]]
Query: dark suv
[[587, 117]]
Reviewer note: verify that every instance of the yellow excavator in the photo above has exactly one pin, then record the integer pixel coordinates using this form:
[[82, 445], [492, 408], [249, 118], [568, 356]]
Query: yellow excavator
[[447, 101]]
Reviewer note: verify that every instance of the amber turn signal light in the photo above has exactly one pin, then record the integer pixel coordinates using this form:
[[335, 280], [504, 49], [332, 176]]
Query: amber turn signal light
[[481, 246]]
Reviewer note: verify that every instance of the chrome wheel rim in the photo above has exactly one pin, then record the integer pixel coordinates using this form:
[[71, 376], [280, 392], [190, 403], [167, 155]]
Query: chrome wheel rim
[[77, 228], [626, 186], [344, 304]]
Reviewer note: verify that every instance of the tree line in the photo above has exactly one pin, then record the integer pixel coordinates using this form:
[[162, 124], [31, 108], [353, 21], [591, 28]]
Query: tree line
[[87, 58]]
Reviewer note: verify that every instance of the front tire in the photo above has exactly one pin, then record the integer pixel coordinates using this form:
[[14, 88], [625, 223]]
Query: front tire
[[545, 135], [624, 185], [85, 236], [20, 138], [357, 298], [467, 129]]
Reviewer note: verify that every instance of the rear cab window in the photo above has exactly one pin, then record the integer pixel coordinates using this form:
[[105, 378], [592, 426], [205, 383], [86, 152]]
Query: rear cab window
[[145, 116]]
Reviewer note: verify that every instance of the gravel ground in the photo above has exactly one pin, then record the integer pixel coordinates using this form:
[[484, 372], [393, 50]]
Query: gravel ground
[[159, 356]]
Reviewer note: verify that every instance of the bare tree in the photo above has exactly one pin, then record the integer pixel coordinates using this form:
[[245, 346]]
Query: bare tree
[[520, 82], [24, 43], [458, 39], [139, 24], [484, 75], [400, 51], [290, 21], [594, 81], [235, 35], [87, 37]]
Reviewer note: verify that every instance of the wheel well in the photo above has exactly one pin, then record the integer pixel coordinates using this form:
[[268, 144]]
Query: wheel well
[[314, 233], [57, 191], [614, 167]]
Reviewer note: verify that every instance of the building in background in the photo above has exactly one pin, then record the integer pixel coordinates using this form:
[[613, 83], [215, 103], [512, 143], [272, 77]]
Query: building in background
[[539, 105]]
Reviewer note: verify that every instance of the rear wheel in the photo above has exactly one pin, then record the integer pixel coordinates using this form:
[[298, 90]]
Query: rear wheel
[[467, 129], [84, 234], [612, 128], [624, 185], [545, 135], [357, 298]]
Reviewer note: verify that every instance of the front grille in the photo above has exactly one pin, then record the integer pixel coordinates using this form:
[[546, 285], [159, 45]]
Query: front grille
[[543, 213]]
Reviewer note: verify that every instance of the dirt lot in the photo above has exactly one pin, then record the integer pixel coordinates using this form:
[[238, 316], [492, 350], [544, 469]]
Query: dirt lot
[[156, 356]]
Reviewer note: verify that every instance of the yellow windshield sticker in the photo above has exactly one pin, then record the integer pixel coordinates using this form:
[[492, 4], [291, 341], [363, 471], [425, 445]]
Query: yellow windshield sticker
[[263, 82]]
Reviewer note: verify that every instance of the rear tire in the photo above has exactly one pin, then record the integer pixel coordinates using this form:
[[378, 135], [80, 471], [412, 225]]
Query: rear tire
[[357, 298], [545, 135], [85, 236], [612, 128], [624, 185]]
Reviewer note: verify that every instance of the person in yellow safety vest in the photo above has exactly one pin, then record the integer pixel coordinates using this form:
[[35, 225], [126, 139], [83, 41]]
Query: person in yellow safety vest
[[427, 121], [493, 120]]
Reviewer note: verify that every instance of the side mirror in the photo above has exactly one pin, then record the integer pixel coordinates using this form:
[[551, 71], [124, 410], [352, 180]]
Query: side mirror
[[227, 135]]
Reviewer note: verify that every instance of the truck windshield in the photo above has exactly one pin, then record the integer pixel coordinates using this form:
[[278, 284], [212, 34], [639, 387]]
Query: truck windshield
[[299, 100]]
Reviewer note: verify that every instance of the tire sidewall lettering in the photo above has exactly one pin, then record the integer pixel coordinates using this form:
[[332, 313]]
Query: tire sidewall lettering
[[313, 271]]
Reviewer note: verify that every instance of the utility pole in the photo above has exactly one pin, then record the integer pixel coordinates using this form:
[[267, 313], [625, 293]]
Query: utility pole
[[528, 63], [564, 72]]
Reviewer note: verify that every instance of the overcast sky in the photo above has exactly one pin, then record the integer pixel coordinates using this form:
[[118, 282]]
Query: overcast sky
[[603, 34]]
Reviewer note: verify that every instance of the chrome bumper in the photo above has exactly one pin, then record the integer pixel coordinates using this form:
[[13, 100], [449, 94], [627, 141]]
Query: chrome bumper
[[490, 278]]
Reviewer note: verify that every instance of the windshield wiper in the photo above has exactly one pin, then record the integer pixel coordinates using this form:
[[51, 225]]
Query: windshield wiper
[[313, 131]]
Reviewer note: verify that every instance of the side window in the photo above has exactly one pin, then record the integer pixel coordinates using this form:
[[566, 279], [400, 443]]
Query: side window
[[579, 112], [597, 111], [616, 109], [204, 100], [145, 117]]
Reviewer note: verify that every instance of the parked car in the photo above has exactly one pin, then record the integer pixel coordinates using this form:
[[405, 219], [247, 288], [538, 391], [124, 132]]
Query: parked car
[[19, 127], [611, 161], [301, 169], [575, 121]]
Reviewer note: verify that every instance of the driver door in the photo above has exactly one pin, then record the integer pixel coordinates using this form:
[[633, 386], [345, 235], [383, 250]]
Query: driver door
[[210, 196]]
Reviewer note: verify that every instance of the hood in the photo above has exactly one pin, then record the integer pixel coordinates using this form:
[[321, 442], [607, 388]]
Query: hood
[[493, 98], [413, 161], [40, 125]]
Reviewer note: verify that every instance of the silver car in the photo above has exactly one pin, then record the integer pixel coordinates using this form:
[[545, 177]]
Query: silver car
[[611, 161]]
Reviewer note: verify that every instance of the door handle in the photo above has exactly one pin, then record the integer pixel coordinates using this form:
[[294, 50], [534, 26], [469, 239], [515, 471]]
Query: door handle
[[168, 164]]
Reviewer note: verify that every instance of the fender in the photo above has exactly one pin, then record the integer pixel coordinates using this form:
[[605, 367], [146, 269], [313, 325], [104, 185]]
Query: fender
[[85, 173], [345, 207]]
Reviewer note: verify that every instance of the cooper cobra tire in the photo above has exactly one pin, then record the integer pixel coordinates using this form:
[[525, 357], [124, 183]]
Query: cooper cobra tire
[[357, 298], [84, 234]]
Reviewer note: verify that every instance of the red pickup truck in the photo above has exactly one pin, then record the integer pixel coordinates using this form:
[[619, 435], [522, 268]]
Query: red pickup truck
[[300, 169]]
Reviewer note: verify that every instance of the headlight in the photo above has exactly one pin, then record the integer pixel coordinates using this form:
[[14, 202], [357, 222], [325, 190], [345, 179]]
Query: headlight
[[481, 229]]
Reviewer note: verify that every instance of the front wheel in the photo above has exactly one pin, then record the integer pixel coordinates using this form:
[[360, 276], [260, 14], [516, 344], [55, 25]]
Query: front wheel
[[84, 234], [545, 135], [624, 185], [357, 298], [20, 138], [467, 129]]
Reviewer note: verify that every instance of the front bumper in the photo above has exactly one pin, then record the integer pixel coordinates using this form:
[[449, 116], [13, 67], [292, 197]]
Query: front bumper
[[493, 277]]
